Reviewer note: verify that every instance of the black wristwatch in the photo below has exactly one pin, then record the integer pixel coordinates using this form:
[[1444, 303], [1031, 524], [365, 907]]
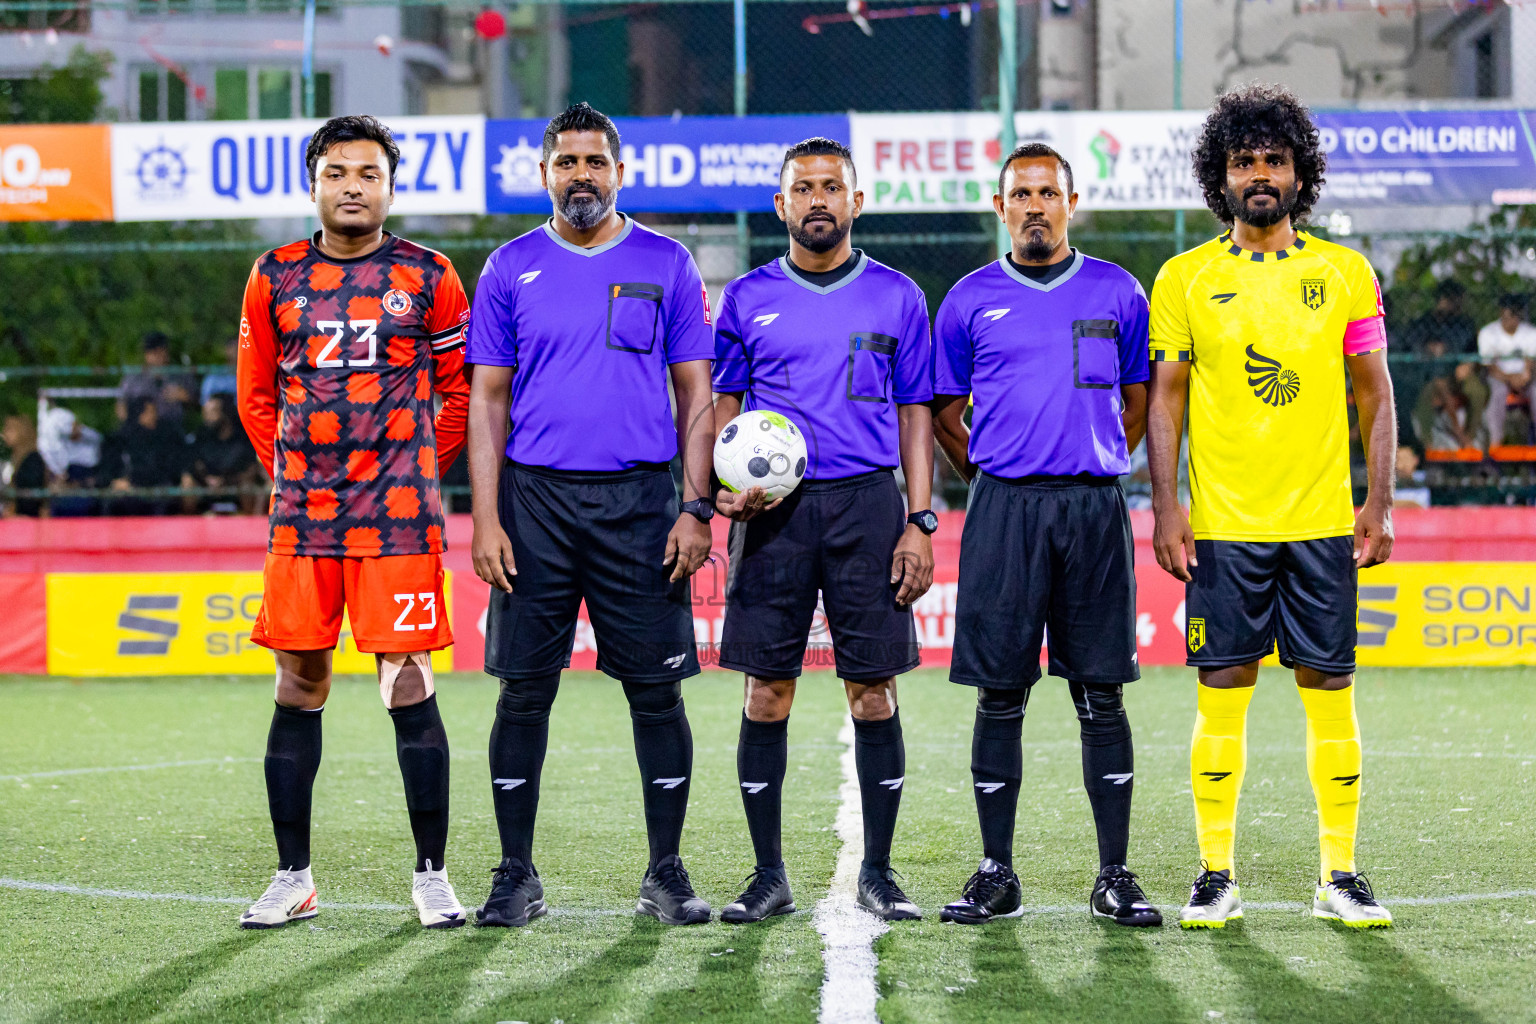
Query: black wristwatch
[[701, 509], [925, 521]]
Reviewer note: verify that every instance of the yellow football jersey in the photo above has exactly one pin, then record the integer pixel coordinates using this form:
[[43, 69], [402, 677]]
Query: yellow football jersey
[[1266, 335]]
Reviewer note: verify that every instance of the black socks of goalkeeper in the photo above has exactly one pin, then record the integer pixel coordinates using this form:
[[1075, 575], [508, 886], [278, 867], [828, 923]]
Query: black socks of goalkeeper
[[293, 757], [421, 746]]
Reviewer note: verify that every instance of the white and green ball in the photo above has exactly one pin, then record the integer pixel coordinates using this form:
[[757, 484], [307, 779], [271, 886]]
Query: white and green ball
[[760, 449]]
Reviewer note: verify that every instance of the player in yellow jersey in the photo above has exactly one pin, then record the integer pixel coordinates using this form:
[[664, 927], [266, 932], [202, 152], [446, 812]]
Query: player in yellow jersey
[[1254, 332]]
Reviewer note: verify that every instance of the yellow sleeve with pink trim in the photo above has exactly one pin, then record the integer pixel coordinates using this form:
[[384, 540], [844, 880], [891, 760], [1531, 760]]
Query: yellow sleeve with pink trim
[[1367, 327]]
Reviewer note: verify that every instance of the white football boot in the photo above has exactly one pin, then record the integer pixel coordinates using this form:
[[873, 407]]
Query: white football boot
[[1213, 901], [1347, 898], [290, 897], [436, 904]]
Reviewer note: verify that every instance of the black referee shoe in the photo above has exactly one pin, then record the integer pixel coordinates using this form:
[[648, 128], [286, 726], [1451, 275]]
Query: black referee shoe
[[767, 896], [880, 895], [993, 891], [668, 896], [517, 896], [1116, 896]]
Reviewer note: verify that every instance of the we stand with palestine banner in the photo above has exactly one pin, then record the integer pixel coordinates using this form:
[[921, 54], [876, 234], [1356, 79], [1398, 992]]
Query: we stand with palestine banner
[[908, 163]]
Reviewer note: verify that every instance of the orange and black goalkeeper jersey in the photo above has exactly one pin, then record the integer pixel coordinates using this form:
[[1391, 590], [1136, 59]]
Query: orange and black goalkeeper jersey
[[339, 360]]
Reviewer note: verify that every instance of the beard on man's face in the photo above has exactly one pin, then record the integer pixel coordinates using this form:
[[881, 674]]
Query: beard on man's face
[[1262, 216], [583, 205], [1038, 242], [819, 232]]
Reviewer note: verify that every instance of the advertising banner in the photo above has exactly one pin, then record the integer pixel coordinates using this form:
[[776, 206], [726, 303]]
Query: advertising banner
[[196, 170], [684, 165], [170, 623], [1141, 160], [55, 172], [1448, 613]]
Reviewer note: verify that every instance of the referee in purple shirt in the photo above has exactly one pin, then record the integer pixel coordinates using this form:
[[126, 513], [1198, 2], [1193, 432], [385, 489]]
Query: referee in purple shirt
[[577, 326], [839, 344], [1052, 347]]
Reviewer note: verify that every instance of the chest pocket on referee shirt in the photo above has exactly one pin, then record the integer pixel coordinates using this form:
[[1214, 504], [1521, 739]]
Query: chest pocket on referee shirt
[[871, 359], [634, 316], [1095, 353]]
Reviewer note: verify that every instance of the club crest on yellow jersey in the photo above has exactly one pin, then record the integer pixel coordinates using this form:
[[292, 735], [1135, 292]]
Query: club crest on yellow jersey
[[1313, 294], [1272, 383]]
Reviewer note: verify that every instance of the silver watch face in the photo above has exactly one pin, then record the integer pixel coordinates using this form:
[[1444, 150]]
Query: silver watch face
[[927, 522]]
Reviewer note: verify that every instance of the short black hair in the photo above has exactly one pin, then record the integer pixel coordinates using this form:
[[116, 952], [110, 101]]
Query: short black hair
[[1514, 302], [818, 145], [1250, 117], [581, 117], [1034, 151], [351, 128], [136, 406], [1450, 288], [156, 339]]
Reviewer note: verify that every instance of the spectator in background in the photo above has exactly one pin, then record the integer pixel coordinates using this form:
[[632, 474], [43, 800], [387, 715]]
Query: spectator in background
[[1445, 330], [222, 456], [221, 383], [1412, 490], [1443, 418], [26, 469], [145, 452], [1508, 349], [169, 389], [72, 452]]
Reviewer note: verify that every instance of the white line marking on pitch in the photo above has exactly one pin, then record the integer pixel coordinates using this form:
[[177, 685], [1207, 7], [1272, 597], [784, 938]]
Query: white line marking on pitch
[[245, 901], [114, 769], [848, 932]]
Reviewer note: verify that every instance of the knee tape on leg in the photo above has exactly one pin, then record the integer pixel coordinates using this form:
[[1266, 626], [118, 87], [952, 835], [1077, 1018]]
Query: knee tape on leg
[[1100, 713], [527, 701], [407, 675], [654, 704]]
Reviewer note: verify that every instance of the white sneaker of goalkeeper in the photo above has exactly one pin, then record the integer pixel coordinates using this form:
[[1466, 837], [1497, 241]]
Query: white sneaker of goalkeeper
[[436, 904], [290, 897]]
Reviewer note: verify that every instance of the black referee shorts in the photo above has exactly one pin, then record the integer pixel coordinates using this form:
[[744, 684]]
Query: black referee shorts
[[1247, 597], [835, 537], [598, 536], [1045, 553]]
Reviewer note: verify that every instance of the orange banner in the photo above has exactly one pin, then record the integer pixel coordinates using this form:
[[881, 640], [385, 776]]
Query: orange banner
[[55, 172]]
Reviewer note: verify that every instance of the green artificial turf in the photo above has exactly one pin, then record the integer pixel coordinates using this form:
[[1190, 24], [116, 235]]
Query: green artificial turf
[[1449, 809]]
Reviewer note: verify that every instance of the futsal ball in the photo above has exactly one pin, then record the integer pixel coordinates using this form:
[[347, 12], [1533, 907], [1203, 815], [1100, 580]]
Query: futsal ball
[[760, 449]]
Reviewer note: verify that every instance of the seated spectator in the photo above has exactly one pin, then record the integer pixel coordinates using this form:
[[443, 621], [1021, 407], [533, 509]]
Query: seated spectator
[[26, 469], [1412, 490], [1508, 349], [72, 452], [1442, 419], [1445, 330], [170, 389], [222, 456], [222, 383], [145, 452]]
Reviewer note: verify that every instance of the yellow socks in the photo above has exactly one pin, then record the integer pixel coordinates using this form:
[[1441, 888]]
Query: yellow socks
[[1333, 763], [1218, 756]]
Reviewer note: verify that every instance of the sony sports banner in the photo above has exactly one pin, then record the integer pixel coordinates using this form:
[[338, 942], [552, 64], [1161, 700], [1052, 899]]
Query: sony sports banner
[[683, 165], [201, 170], [55, 172], [1141, 160], [170, 623]]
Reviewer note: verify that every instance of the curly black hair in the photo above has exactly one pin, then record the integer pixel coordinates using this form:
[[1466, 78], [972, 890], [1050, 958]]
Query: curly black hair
[[1259, 115]]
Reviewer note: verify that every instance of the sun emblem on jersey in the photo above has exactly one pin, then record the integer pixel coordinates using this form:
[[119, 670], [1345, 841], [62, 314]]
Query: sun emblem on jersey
[[1312, 293], [397, 302], [1271, 382]]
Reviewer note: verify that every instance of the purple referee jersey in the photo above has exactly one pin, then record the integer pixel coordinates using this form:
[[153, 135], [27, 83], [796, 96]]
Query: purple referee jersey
[[591, 333], [1044, 364], [836, 360]]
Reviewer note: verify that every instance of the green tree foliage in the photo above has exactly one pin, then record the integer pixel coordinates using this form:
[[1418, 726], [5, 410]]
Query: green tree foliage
[[1490, 260], [64, 95]]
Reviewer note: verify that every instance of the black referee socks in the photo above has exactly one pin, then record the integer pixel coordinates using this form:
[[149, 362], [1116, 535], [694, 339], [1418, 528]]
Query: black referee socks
[[664, 750], [1108, 765], [293, 758], [997, 767], [762, 751], [519, 740], [421, 746], [881, 759]]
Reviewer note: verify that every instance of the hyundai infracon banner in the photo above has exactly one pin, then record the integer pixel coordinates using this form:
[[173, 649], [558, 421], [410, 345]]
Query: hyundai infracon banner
[[1141, 160], [684, 165], [196, 170]]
